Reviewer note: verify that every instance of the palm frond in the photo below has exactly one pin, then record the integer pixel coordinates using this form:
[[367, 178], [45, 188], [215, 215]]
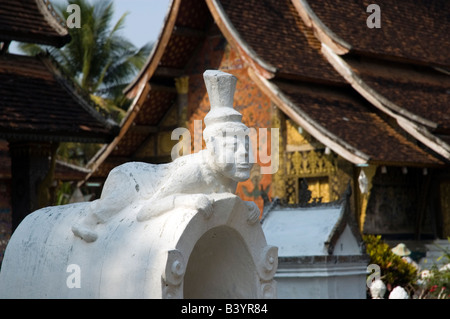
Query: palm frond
[[98, 57]]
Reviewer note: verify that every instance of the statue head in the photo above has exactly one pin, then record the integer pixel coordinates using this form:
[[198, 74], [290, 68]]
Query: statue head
[[227, 138]]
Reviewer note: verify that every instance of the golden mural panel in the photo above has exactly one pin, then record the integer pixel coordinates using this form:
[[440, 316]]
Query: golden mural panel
[[310, 163]]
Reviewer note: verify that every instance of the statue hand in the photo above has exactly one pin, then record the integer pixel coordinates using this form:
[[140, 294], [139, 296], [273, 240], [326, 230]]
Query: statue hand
[[204, 205]]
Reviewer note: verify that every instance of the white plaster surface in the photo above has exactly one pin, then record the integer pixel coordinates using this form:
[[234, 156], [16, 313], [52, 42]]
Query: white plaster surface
[[304, 231], [158, 231], [306, 269], [130, 259]]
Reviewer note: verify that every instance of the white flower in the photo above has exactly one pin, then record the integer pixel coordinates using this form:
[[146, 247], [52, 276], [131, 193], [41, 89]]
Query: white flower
[[398, 293], [425, 274], [445, 267]]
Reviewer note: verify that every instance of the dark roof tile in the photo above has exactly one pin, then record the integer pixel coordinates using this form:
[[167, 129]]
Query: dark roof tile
[[32, 21], [412, 30], [37, 103], [354, 121], [274, 30], [419, 90]]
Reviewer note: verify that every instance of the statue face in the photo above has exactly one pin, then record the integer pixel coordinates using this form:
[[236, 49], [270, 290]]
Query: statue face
[[231, 153]]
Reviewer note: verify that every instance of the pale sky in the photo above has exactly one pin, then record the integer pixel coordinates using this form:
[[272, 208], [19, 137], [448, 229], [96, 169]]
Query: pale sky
[[144, 20]]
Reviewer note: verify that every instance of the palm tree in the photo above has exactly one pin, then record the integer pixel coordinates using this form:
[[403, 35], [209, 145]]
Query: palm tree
[[101, 62], [98, 58]]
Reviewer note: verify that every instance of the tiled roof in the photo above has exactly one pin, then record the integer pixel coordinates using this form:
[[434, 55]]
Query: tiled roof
[[421, 91], [400, 67], [274, 30], [410, 30], [272, 35], [353, 120], [37, 103], [32, 21]]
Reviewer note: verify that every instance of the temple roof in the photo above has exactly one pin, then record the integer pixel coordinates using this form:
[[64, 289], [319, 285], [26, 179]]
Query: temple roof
[[278, 37], [32, 21], [401, 68], [286, 58], [37, 103], [301, 230], [411, 31], [340, 115], [358, 140]]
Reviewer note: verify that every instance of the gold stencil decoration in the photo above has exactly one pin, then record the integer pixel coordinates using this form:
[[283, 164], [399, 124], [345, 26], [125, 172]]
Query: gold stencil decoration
[[298, 139], [310, 164], [279, 178], [303, 160], [307, 165]]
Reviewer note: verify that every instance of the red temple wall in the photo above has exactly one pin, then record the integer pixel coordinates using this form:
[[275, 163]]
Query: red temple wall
[[216, 53]]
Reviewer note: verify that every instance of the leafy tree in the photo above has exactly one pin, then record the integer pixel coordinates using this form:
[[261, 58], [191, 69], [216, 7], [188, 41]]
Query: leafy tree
[[99, 59], [394, 270]]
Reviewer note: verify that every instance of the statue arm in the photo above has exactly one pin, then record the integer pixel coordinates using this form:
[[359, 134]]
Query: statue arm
[[154, 208]]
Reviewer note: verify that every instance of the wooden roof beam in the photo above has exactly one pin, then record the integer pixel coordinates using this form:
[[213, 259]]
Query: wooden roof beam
[[413, 124], [321, 31]]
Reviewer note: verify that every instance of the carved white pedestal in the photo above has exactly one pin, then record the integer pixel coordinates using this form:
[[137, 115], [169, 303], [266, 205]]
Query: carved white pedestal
[[182, 253], [158, 231]]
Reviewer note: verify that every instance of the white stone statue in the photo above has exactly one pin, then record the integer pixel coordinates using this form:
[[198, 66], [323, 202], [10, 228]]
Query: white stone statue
[[173, 230], [187, 180]]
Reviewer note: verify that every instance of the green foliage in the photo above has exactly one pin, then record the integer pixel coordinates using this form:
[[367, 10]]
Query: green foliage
[[98, 57], [394, 270], [116, 113], [77, 153], [445, 252], [63, 193], [435, 283], [100, 60]]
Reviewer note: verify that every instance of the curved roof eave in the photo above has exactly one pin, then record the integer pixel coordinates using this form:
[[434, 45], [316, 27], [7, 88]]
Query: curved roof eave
[[139, 87], [158, 49], [54, 20], [126, 123], [321, 31], [82, 99], [416, 126], [232, 36], [320, 133]]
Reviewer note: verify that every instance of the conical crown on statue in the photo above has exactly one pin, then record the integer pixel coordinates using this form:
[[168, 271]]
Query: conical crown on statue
[[220, 87]]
